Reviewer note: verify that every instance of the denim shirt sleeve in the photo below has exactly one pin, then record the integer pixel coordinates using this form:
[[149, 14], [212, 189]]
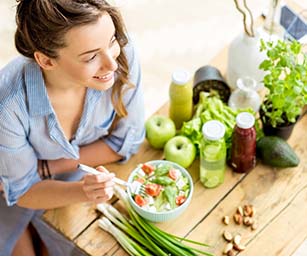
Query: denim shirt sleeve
[[129, 134], [18, 162]]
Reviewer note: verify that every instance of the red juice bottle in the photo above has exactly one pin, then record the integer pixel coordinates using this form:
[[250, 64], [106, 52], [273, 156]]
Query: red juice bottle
[[243, 150]]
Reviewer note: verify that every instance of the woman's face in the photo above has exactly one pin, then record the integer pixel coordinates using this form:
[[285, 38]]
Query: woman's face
[[89, 60]]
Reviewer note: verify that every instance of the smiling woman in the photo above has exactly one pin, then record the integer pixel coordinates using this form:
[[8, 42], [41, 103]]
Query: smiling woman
[[90, 60], [73, 96]]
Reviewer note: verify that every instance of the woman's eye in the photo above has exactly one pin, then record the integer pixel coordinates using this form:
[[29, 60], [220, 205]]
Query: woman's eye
[[92, 58]]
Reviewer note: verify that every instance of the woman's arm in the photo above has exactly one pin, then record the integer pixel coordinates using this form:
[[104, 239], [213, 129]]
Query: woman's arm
[[88, 155], [49, 194]]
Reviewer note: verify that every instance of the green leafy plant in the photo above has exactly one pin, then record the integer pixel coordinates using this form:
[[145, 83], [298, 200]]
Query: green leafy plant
[[286, 81]]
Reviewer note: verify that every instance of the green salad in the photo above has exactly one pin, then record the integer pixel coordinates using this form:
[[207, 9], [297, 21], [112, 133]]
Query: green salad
[[160, 187]]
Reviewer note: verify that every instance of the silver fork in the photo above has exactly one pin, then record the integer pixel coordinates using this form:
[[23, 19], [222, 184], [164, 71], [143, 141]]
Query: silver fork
[[140, 189]]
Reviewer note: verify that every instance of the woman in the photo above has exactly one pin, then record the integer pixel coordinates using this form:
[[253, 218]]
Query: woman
[[73, 97]]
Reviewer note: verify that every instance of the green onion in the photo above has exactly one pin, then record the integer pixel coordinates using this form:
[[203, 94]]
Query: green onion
[[120, 221], [140, 237], [127, 243]]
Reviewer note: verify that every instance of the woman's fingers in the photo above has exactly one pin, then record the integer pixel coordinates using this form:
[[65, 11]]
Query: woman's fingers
[[91, 187], [103, 195], [98, 179], [98, 188], [102, 169], [100, 195]]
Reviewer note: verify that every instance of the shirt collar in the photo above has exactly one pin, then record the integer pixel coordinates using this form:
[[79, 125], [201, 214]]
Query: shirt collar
[[39, 104]]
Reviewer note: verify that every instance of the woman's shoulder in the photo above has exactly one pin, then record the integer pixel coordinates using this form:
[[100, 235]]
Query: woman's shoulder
[[11, 78]]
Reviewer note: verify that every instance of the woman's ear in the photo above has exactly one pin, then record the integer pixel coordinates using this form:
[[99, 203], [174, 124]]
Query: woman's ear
[[45, 62]]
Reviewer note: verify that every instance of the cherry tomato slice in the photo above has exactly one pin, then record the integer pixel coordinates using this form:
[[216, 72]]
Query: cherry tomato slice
[[153, 189], [173, 174], [180, 199], [140, 201], [147, 168]]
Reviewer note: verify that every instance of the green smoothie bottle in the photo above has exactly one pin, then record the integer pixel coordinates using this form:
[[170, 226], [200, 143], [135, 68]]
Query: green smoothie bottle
[[181, 97], [213, 154]]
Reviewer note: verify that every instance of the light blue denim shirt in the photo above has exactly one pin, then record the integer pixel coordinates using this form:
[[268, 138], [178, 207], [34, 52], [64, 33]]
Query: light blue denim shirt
[[29, 129]]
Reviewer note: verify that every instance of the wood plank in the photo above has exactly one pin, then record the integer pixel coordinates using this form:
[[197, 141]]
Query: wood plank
[[120, 252], [96, 239], [71, 220], [287, 230], [273, 192]]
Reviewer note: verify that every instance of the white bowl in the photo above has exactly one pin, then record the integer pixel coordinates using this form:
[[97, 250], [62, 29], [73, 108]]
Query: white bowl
[[165, 215]]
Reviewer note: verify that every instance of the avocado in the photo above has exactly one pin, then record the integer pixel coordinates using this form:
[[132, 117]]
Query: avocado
[[276, 152]]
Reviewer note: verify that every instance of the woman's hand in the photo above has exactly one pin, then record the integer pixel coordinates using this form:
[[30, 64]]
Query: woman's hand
[[98, 188]]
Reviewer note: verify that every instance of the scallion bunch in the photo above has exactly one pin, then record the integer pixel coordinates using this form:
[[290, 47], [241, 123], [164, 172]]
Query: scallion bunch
[[141, 238]]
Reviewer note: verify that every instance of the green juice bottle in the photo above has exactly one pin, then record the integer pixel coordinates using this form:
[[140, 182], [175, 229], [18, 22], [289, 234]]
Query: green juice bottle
[[213, 154], [181, 97]]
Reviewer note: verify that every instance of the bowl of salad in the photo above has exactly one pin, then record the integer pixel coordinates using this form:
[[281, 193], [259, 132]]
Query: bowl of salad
[[160, 190]]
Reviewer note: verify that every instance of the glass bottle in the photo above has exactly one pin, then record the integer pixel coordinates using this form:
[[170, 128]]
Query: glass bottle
[[181, 98], [243, 149], [213, 154], [245, 95], [272, 20]]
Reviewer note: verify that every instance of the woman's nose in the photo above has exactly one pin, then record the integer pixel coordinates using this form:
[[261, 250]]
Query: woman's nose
[[109, 63]]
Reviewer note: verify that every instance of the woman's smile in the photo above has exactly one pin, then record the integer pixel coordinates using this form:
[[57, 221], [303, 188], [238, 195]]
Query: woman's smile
[[105, 78]]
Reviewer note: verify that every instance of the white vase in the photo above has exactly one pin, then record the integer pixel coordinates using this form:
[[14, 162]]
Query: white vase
[[244, 58]]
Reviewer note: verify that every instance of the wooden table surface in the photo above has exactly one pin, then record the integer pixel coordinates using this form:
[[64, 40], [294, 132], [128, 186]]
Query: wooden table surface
[[279, 196]]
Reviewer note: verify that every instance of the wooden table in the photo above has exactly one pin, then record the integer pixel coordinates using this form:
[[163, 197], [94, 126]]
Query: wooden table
[[279, 196]]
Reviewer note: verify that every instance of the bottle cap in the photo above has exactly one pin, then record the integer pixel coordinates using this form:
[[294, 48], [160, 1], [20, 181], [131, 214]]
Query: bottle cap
[[213, 130], [180, 77], [245, 120]]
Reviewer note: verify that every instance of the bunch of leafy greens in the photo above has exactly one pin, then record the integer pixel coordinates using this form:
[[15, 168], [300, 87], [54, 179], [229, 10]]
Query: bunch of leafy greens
[[212, 108], [286, 81]]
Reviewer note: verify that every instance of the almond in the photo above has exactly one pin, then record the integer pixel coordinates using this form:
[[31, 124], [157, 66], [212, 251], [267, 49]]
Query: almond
[[254, 226], [240, 210], [248, 221], [227, 248], [238, 218], [226, 220], [237, 239], [227, 236], [248, 210]]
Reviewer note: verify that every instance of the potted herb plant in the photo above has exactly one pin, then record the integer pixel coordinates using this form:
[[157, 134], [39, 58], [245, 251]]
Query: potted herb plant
[[286, 83]]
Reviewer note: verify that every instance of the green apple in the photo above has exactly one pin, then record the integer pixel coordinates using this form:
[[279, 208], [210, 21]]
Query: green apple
[[181, 150], [159, 129]]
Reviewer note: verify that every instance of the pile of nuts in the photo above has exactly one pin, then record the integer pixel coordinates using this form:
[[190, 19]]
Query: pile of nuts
[[243, 216]]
